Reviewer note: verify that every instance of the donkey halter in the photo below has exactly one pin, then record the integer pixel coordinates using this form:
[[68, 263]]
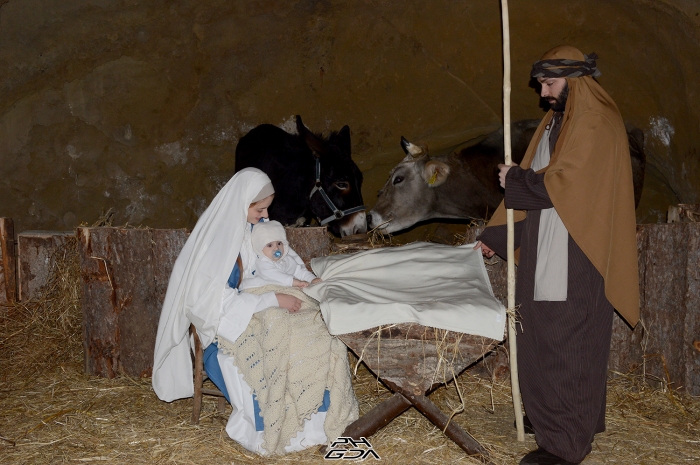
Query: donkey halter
[[337, 214]]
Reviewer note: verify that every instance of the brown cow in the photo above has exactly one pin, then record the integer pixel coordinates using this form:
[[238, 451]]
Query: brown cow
[[463, 184]]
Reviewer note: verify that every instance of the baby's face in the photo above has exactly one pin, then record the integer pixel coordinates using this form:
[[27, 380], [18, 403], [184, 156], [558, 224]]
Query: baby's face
[[274, 250]]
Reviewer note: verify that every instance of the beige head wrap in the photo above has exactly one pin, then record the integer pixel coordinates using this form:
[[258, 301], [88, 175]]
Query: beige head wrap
[[264, 193]]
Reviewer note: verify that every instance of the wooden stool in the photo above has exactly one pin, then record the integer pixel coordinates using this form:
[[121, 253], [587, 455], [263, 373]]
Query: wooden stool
[[199, 377]]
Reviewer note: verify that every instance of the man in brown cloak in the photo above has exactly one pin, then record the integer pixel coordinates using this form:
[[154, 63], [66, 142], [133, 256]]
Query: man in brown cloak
[[575, 230]]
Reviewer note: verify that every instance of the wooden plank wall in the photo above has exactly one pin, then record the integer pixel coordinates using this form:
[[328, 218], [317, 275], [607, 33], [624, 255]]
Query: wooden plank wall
[[125, 275], [8, 263], [665, 346], [309, 243], [35, 251], [662, 346]]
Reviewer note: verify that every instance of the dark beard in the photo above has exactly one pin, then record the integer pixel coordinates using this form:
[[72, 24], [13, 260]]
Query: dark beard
[[560, 103]]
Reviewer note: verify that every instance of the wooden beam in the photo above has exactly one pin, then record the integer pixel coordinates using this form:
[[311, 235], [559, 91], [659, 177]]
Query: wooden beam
[[451, 429], [8, 265], [35, 254], [377, 418], [309, 242]]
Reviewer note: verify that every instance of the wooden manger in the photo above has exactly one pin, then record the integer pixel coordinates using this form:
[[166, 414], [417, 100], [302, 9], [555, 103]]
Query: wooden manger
[[412, 361]]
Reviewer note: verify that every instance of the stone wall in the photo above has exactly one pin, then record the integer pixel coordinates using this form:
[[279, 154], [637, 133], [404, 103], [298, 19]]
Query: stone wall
[[138, 106]]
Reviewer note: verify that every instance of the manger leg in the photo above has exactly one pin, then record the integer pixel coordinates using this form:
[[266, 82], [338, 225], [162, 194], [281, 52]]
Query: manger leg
[[378, 417], [453, 430]]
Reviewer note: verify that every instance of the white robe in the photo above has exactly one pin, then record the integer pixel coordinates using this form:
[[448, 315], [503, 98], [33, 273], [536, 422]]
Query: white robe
[[282, 271], [198, 293], [552, 269], [241, 423]]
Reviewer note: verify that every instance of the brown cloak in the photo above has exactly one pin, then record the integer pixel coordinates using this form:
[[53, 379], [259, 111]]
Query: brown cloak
[[589, 180]]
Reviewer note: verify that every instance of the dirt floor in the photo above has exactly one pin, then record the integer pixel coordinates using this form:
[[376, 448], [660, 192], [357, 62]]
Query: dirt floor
[[50, 412]]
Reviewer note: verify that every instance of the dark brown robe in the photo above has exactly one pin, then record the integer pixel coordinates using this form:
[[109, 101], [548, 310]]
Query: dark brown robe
[[563, 347]]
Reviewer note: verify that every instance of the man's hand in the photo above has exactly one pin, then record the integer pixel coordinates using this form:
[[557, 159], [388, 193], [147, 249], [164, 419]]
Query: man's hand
[[288, 302], [503, 170], [485, 250]]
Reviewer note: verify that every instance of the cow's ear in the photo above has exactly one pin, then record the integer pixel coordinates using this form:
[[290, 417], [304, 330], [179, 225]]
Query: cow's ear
[[343, 141], [435, 172]]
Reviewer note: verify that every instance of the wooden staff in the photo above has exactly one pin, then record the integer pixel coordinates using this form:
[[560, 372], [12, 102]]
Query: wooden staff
[[514, 383]]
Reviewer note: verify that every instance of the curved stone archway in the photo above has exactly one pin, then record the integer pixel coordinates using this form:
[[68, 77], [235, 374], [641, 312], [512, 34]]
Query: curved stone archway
[[138, 106]]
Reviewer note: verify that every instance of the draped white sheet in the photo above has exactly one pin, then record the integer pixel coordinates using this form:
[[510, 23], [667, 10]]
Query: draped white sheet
[[430, 284]]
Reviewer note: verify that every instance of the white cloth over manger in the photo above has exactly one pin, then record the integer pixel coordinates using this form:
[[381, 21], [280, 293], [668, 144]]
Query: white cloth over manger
[[430, 284]]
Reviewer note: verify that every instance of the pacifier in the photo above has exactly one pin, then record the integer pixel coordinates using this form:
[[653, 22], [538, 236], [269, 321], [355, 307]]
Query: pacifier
[[277, 254]]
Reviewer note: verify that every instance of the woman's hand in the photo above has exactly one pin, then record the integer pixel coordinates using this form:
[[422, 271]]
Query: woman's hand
[[288, 302], [315, 281], [485, 250]]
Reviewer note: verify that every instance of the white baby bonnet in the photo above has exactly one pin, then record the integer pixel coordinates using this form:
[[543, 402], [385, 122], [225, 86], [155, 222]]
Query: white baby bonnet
[[264, 233]]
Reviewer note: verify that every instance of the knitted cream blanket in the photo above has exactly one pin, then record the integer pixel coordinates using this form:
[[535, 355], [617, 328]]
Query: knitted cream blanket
[[289, 360]]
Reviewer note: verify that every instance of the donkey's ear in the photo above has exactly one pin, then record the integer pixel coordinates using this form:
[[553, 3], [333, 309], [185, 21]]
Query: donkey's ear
[[301, 129], [343, 141], [315, 143]]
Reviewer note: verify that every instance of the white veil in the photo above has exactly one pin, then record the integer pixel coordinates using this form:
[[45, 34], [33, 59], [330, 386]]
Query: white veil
[[198, 280]]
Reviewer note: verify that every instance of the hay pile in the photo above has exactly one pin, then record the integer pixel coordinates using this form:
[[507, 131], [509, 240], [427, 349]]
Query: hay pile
[[47, 329], [51, 412]]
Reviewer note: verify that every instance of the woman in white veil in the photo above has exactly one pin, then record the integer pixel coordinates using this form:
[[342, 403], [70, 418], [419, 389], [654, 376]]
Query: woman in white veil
[[202, 291]]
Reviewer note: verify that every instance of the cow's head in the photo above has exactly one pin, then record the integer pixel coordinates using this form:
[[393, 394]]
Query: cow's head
[[340, 177], [408, 196]]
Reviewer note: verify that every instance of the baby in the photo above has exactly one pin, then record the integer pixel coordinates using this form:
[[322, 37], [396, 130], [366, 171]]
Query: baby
[[277, 263]]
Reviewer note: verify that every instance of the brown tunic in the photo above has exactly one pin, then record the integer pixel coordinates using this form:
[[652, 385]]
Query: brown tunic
[[563, 347]]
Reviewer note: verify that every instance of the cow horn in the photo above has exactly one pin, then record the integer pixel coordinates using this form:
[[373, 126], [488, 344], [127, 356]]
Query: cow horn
[[410, 149]]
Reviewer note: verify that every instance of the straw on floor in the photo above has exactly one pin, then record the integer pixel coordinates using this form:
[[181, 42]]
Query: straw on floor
[[50, 412]]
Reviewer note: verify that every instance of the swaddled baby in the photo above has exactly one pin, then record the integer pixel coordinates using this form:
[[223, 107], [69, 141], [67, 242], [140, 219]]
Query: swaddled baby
[[277, 263]]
